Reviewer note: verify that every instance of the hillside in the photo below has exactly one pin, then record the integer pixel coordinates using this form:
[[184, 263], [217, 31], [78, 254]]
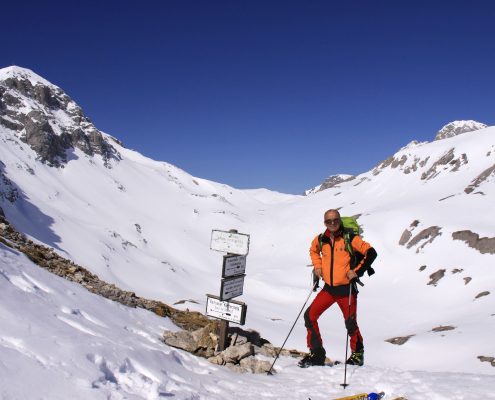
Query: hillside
[[145, 226]]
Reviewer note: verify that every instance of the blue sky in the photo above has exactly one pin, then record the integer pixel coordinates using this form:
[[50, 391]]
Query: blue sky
[[275, 94]]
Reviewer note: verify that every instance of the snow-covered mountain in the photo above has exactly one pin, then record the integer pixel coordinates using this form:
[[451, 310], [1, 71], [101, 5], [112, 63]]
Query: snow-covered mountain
[[329, 182], [458, 127], [145, 225]]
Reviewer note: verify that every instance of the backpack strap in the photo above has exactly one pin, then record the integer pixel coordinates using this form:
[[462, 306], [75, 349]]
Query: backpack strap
[[348, 236]]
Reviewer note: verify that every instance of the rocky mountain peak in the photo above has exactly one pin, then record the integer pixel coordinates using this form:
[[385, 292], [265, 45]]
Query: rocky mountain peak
[[47, 119], [330, 182], [455, 128], [20, 74]]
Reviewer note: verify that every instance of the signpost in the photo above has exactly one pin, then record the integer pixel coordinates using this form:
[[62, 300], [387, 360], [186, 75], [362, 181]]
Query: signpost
[[233, 311], [233, 265], [231, 287], [230, 242], [236, 245]]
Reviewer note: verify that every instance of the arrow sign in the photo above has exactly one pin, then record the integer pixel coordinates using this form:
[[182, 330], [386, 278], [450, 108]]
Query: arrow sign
[[233, 311], [229, 242], [233, 265], [231, 287]]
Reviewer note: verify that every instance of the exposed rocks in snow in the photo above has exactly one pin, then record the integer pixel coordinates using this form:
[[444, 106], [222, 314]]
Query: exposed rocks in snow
[[47, 258], [480, 179], [407, 234], [436, 276], [482, 294], [448, 161], [123, 242], [490, 360], [400, 162], [447, 197], [399, 340], [467, 279], [457, 128], [457, 270], [422, 268], [243, 354], [426, 236], [48, 120], [363, 179], [442, 328], [8, 190], [330, 182], [484, 245], [199, 335], [185, 301]]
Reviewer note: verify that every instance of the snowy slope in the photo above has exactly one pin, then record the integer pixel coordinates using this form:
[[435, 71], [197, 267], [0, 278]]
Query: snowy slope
[[59, 341], [145, 226]]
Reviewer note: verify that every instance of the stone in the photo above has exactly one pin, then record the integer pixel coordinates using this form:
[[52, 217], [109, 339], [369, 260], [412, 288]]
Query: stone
[[218, 360], [436, 276], [252, 364], [399, 340], [234, 354], [181, 340]]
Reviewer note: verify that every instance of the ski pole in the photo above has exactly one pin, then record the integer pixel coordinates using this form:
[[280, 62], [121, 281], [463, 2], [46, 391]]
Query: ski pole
[[315, 285], [345, 384]]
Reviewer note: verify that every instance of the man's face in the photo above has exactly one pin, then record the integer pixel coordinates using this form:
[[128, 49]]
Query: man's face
[[332, 221]]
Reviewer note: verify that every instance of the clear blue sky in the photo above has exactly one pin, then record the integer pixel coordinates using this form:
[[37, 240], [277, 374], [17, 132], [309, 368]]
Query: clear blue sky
[[276, 94]]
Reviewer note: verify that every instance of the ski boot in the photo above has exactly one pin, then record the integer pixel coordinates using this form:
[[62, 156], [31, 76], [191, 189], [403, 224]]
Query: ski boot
[[356, 358], [315, 357]]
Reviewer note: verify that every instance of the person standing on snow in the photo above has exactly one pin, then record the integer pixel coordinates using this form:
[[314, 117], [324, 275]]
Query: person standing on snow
[[332, 262]]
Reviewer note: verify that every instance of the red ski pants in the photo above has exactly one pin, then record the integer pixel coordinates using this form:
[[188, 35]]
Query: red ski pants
[[321, 303]]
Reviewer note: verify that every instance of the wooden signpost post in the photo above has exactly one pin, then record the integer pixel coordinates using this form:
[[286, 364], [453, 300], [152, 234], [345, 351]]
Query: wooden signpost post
[[236, 245]]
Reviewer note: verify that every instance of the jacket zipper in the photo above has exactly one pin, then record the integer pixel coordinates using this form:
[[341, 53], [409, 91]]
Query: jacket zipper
[[331, 263]]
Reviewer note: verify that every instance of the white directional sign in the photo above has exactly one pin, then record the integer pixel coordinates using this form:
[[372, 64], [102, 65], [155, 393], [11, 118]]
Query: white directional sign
[[229, 242], [231, 287], [233, 311], [233, 265]]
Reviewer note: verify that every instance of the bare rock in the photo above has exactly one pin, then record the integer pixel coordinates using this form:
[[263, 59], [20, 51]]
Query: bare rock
[[467, 279], [405, 237], [181, 340], [267, 350], [482, 294], [407, 234], [483, 245], [490, 360], [480, 179], [443, 328], [254, 365], [436, 276], [399, 340], [218, 360], [234, 354], [426, 235], [444, 160]]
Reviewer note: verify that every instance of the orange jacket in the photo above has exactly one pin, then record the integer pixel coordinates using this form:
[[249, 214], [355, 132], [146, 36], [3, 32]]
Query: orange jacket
[[334, 260]]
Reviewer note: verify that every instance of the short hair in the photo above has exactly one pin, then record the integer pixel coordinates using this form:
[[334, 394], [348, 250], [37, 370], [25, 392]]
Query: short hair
[[333, 211]]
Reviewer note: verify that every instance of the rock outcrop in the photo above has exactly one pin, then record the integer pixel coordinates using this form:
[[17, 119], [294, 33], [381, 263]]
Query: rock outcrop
[[199, 335], [48, 120], [484, 245], [455, 128]]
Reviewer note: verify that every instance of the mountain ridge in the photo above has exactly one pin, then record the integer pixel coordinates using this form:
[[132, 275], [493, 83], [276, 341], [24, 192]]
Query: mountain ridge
[[145, 226]]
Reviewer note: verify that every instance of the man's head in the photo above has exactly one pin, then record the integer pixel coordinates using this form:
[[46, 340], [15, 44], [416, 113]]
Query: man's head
[[331, 220]]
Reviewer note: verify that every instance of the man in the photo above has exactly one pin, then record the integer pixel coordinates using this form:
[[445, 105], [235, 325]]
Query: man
[[332, 262]]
